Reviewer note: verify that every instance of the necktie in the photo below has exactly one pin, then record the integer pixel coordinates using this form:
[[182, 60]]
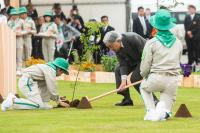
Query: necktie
[[143, 25]]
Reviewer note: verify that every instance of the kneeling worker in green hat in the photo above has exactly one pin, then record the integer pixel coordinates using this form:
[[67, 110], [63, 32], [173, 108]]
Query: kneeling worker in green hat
[[38, 85], [160, 68]]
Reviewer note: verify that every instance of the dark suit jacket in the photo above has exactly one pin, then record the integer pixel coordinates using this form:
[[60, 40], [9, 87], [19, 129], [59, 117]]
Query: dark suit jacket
[[130, 54], [193, 26], [103, 33], [137, 28]]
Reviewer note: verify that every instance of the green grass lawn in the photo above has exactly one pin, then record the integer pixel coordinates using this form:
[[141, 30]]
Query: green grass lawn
[[104, 117]]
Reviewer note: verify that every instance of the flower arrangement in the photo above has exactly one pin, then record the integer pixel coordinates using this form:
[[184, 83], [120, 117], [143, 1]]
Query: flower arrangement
[[34, 61], [186, 70], [88, 66]]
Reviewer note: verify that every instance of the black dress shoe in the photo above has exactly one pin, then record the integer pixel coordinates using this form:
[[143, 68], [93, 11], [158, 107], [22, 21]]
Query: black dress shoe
[[125, 102]]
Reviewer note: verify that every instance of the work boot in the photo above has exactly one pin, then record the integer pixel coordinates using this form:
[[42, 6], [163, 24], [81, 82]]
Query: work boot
[[125, 102]]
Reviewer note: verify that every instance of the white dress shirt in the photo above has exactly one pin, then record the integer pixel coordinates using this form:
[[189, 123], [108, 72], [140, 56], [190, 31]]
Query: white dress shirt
[[142, 20], [192, 16]]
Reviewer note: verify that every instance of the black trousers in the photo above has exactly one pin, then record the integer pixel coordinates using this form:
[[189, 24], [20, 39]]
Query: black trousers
[[134, 78], [37, 47], [193, 50], [97, 56]]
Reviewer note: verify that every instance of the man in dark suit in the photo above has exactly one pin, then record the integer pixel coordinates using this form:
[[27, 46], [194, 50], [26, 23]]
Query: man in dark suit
[[105, 29], [192, 24], [141, 25], [128, 48]]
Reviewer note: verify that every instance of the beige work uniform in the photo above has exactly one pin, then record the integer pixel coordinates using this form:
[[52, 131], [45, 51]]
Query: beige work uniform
[[38, 85], [17, 26], [160, 68], [48, 43], [28, 29]]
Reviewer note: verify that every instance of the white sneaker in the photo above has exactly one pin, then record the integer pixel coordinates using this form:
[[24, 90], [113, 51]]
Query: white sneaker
[[46, 106], [160, 112], [19, 73], [7, 103], [149, 114]]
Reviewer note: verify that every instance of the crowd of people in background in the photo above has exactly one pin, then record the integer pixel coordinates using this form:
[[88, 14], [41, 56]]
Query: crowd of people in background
[[142, 27], [49, 36]]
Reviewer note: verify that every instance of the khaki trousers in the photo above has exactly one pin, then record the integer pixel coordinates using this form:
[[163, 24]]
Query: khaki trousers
[[19, 52], [166, 85], [27, 47], [48, 49], [30, 90]]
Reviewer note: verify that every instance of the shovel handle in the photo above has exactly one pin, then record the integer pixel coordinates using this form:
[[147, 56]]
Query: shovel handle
[[113, 91]]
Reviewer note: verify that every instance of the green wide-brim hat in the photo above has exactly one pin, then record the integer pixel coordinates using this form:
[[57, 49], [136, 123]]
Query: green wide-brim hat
[[60, 63], [14, 11], [50, 14], [162, 20], [22, 10]]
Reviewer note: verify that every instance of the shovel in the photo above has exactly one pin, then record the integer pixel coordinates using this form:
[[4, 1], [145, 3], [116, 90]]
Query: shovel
[[85, 102]]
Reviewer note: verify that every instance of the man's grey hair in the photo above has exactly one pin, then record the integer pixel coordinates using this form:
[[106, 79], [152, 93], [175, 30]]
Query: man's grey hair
[[111, 37]]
